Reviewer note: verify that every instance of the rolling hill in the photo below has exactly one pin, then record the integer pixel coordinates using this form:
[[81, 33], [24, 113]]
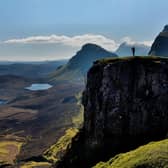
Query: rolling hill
[[30, 69]]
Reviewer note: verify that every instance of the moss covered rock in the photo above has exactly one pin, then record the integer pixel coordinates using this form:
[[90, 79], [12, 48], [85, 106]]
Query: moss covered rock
[[58, 150], [152, 155]]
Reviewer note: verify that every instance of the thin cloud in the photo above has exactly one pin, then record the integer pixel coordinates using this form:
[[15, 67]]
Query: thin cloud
[[75, 41], [130, 41]]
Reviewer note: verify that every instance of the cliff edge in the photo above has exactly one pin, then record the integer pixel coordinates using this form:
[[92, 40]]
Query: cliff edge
[[125, 106]]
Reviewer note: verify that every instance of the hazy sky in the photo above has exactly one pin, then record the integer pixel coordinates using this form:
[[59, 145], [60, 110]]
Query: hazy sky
[[55, 29]]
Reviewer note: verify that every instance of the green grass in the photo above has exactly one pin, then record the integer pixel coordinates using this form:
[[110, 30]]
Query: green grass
[[9, 150], [78, 119], [152, 155], [64, 74], [56, 151], [129, 58], [59, 149], [36, 164]]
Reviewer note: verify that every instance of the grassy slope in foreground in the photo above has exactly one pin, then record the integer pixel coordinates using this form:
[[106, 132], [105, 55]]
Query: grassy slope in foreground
[[36, 164], [8, 151], [55, 152], [152, 155]]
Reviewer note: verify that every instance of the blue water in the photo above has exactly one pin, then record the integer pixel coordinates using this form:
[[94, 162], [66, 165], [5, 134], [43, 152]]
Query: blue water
[[39, 86], [2, 102]]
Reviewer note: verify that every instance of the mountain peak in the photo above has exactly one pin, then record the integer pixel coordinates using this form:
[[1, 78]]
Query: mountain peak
[[165, 28], [159, 46], [91, 46], [80, 63]]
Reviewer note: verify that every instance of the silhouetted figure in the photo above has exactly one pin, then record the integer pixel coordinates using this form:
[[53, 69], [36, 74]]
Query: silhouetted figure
[[133, 51]]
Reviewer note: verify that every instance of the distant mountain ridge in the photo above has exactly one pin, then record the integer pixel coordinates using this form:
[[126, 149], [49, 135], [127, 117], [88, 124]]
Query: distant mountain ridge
[[125, 49], [79, 64], [30, 69], [160, 45]]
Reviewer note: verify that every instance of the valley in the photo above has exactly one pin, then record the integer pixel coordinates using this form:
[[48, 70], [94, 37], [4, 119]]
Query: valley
[[34, 119], [41, 113], [85, 112], [83, 84]]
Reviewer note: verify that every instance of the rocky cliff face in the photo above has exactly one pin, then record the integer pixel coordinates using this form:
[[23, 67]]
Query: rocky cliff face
[[125, 103], [125, 106]]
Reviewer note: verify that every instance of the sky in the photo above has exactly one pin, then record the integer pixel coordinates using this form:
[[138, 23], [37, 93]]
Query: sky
[[33, 30]]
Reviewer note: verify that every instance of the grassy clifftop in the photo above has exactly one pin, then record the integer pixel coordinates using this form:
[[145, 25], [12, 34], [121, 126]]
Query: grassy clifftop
[[152, 155], [129, 58]]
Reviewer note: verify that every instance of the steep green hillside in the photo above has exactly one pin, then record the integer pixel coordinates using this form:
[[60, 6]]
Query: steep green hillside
[[56, 151], [152, 155], [79, 64], [59, 149]]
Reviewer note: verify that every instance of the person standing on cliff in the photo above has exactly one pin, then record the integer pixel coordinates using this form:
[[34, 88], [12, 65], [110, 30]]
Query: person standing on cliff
[[133, 51]]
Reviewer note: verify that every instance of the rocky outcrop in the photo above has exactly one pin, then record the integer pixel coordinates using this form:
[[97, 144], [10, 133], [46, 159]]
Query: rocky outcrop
[[125, 106], [160, 45]]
